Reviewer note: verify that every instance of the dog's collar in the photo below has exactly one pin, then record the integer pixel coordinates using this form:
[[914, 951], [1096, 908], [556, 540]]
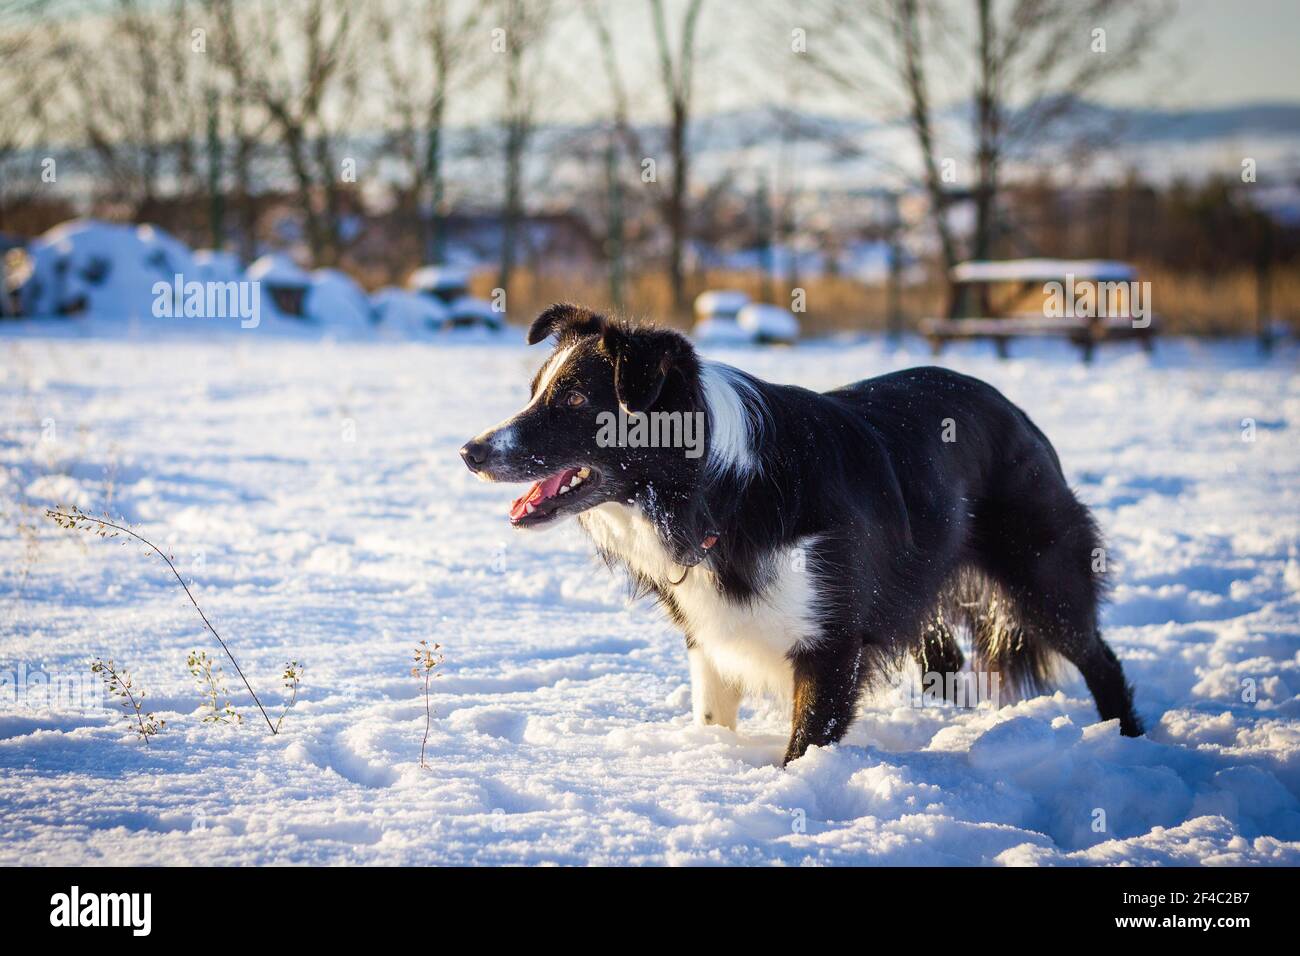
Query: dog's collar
[[709, 541]]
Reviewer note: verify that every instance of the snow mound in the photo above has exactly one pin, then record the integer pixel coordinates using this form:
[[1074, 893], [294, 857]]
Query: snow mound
[[768, 324], [215, 265], [283, 286], [334, 299], [88, 267], [401, 311], [440, 280], [449, 286], [720, 303], [276, 268], [721, 332]]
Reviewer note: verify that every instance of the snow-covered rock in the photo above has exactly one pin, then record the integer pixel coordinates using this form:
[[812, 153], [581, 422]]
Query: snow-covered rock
[[469, 312], [444, 282], [101, 269]]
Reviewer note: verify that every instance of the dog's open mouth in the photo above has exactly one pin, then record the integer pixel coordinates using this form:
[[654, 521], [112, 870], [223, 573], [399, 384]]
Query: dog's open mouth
[[547, 498]]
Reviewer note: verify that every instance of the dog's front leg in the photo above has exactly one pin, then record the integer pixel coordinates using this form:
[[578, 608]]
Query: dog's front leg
[[827, 682], [714, 700]]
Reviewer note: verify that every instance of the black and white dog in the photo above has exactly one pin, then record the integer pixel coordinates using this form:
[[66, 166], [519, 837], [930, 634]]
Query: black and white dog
[[816, 540]]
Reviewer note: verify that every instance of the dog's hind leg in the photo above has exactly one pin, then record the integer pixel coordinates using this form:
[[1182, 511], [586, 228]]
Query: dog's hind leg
[[938, 654], [1104, 676], [1045, 566]]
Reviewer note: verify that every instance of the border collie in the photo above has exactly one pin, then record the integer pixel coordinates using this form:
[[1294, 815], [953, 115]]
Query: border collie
[[819, 539]]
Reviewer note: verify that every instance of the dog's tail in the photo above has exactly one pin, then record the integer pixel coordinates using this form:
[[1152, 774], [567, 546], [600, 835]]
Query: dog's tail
[[1005, 643]]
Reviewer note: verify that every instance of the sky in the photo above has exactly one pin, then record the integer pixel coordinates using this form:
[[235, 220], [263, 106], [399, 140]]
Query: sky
[[1209, 53], [1236, 51], [1206, 53]]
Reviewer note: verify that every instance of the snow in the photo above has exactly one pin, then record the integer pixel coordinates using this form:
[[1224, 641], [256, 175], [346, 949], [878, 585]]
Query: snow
[[720, 332], [469, 312], [1043, 270], [720, 303], [334, 298], [311, 489], [276, 268], [101, 268], [768, 323], [438, 279], [217, 265], [407, 313]]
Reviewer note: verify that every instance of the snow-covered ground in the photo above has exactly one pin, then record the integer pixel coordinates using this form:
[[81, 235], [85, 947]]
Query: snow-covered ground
[[312, 491]]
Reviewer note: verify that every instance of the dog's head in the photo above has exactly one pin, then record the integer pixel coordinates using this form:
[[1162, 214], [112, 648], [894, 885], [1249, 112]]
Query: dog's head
[[577, 439]]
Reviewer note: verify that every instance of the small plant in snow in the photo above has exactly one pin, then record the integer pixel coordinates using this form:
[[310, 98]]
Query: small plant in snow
[[120, 685], [74, 519], [291, 680], [208, 674], [427, 659]]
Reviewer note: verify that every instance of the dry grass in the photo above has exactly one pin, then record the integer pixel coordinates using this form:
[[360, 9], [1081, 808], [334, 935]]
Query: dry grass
[[1186, 304], [1220, 305]]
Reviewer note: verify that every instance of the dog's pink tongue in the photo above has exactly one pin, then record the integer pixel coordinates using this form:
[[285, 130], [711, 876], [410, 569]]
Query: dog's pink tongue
[[520, 507], [540, 491]]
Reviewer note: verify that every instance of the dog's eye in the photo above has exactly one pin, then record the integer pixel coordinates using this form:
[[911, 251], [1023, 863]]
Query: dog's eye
[[575, 398]]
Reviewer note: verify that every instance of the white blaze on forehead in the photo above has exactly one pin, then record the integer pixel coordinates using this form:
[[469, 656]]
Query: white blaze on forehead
[[501, 437], [735, 410], [551, 370]]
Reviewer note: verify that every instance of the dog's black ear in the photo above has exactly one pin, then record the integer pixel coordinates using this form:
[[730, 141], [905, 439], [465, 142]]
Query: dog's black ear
[[566, 321], [643, 359]]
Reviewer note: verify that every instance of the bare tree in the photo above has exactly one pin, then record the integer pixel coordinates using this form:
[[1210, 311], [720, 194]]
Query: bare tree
[[622, 133], [301, 68], [428, 51], [677, 74], [130, 99], [525, 26], [238, 118], [620, 112], [1029, 64], [31, 64], [1047, 55], [676, 55], [907, 30]]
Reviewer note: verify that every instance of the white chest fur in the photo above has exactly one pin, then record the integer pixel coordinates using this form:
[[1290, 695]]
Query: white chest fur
[[747, 642]]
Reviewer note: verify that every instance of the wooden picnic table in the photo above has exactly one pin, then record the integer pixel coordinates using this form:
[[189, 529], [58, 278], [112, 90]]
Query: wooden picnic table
[[976, 279]]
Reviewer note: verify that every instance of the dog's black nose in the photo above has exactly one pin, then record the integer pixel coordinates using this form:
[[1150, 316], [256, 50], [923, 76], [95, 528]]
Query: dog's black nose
[[475, 454]]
